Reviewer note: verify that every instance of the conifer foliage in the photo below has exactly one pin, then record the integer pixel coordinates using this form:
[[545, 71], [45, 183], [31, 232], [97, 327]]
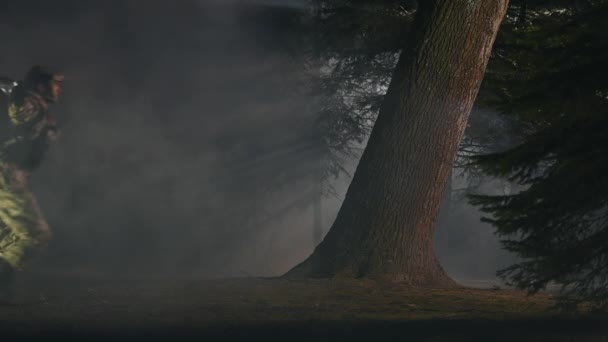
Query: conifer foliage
[[552, 76]]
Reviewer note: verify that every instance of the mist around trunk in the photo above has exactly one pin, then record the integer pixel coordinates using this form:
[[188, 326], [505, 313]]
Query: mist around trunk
[[188, 142]]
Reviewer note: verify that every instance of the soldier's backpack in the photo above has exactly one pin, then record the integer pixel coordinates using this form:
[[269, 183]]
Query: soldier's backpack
[[7, 86]]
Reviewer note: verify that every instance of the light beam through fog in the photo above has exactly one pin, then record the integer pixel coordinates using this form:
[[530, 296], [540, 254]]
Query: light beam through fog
[[188, 140]]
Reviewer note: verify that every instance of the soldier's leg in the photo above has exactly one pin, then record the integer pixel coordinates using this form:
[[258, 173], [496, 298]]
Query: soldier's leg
[[6, 269], [28, 233], [6, 283], [23, 232], [26, 229]]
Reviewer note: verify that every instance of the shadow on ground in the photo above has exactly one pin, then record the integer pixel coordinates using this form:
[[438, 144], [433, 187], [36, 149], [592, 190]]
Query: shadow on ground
[[427, 330], [97, 308]]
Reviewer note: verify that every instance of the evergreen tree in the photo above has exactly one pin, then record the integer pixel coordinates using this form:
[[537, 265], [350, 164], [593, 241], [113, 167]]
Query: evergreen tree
[[385, 226], [551, 75], [355, 48]]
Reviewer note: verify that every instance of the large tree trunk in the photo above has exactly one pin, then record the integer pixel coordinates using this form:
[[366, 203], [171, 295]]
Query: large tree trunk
[[386, 224], [317, 230]]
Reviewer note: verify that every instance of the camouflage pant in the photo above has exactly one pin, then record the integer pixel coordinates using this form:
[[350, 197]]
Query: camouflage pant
[[23, 229]]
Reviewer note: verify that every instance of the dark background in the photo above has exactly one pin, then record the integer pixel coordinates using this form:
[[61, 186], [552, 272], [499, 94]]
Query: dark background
[[188, 143]]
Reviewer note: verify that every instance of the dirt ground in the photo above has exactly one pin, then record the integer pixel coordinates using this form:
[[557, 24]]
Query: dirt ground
[[97, 308]]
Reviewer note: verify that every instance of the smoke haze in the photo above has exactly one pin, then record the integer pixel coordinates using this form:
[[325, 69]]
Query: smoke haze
[[188, 141]]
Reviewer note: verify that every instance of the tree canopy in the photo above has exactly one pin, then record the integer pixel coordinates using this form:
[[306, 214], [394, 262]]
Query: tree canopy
[[552, 77], [547, 78]]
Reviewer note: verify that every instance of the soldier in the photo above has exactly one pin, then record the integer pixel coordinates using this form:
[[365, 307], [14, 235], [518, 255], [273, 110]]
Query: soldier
[[23, 229]]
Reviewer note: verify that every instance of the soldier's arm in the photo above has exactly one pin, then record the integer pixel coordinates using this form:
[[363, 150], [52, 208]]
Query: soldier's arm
[[27, 118]]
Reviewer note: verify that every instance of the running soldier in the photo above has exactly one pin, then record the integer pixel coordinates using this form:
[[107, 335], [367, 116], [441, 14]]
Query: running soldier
[[31, 128]]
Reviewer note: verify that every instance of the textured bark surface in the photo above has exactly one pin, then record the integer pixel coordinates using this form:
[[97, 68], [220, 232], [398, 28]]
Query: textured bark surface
[[385, 227], [317, 210], [317, 216]]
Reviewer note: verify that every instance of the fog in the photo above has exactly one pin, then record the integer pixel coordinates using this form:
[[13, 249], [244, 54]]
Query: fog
[[188, 144]]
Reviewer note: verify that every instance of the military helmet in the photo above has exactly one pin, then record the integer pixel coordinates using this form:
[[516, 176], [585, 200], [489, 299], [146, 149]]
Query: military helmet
[[41, 74]]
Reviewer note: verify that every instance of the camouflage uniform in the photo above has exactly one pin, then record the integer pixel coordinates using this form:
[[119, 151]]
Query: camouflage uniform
[[23, 229]]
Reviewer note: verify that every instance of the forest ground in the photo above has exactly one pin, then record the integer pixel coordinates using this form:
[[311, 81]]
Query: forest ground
[[96, 308]]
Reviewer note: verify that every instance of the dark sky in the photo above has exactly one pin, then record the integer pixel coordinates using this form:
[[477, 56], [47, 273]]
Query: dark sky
[[179, 120]]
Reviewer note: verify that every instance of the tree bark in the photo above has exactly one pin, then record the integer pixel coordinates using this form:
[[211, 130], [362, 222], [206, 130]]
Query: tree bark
[[385, 227], [317, 230]]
